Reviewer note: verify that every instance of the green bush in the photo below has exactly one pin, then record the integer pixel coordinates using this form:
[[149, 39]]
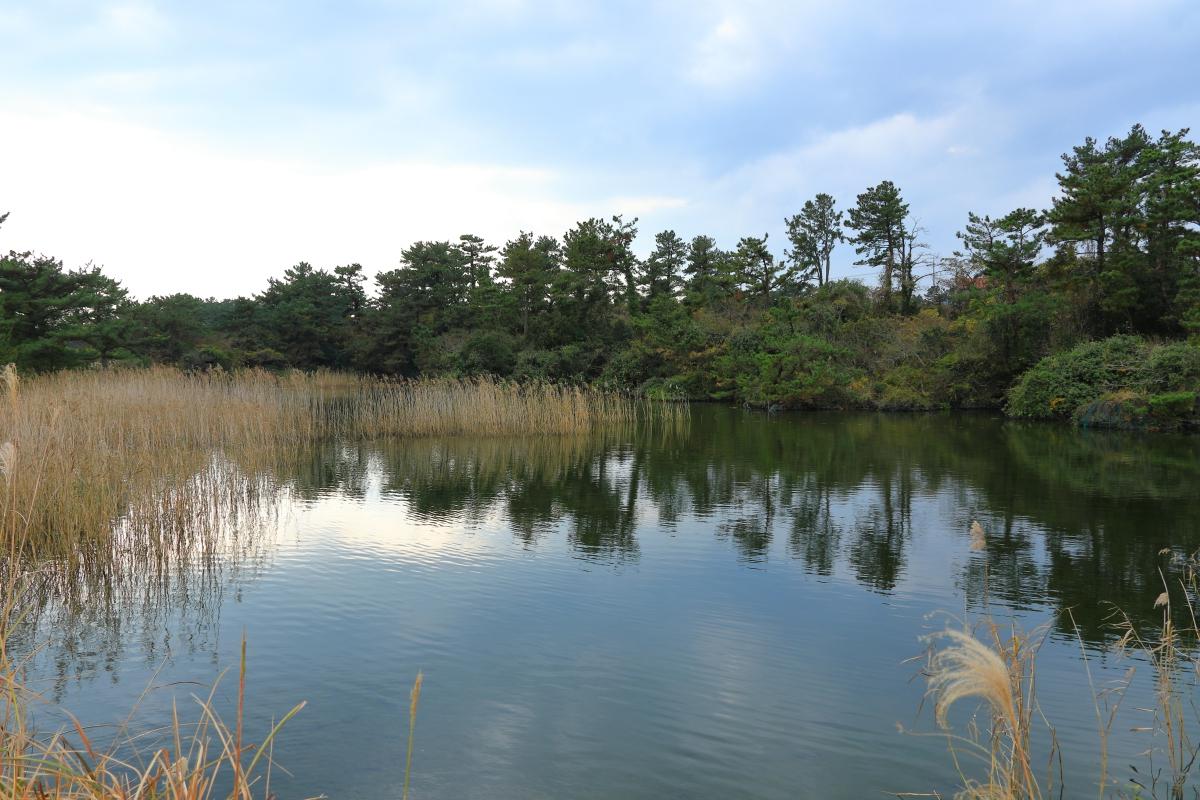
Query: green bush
[[1058, 385], [488, 353], [1173, 409], [908, 388], [800, 372], [1173, 367]]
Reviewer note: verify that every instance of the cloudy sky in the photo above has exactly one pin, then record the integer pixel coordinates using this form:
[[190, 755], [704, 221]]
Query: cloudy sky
[[203, 147]]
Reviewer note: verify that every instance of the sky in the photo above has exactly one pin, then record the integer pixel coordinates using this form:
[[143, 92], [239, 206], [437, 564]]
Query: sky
[[205, 147]]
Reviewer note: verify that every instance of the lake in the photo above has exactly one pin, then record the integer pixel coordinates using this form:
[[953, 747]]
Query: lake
[[721, 608]]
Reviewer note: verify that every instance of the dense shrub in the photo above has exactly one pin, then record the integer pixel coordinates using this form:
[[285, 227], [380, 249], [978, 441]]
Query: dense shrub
[[1122, 381], [909, 388], [1173, 409], [1058, 385], [1173, 367], [488, 353]]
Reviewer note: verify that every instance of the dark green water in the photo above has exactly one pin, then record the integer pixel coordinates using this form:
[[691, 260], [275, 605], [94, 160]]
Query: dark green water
[[719, 611]]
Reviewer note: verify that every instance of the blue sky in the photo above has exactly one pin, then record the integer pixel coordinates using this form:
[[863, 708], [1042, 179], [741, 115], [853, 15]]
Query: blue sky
[[206, 146]]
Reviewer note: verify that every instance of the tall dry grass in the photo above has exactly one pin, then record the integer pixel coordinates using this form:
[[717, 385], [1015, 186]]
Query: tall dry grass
[[198, 761], [86, 453], [156, 476], [996, 665], [997, 669]]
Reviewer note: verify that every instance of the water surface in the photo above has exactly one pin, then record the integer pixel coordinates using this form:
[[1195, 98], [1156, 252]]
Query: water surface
[[719, 610]]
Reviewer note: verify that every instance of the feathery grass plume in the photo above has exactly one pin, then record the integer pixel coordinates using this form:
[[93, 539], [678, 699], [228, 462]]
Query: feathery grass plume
[[1000, 671], [1001, 674], [12, 383], [970, 668], [8, 458], [978, 537]]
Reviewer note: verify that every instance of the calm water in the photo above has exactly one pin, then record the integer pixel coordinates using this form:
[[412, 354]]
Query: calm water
[[720, 611]]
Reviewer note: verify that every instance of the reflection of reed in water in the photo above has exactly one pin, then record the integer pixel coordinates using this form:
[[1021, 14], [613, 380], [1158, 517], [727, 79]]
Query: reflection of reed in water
[[85, 449], [160, 577]]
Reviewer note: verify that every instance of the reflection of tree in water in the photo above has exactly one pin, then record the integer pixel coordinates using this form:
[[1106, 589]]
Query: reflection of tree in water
[[882, 532], [1074, 519], [815, 534], [752, 532], [589, 483]]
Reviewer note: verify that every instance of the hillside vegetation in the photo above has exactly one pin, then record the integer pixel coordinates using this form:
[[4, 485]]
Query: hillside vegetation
[[1083, 310]]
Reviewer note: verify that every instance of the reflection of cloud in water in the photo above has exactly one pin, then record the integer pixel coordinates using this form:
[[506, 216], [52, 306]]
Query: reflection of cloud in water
[[386, 528]]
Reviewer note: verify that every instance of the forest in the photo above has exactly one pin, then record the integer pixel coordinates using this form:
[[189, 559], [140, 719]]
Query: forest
[[1088, 310]]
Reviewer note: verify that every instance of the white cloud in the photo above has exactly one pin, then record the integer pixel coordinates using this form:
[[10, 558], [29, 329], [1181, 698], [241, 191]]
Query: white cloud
[[728, 55], [133, 22], [164, 213], [943, 163], [746, 40], [900, 147]]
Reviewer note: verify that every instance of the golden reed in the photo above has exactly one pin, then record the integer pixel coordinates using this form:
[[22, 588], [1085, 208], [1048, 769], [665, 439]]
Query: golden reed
[[80, 452]]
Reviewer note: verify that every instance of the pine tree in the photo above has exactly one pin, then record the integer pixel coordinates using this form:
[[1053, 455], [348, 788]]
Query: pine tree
[[477, 259], [756, 268], [660, 274], [1005, 249], [814, 233], [880, 217], [529, 265], [706, 271]]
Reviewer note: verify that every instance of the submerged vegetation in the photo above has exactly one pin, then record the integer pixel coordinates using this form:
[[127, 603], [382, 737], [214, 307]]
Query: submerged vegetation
[[1116, 255]]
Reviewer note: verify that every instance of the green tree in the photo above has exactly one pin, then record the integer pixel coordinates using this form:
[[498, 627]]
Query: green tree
[[813, 234], [529, 265], [51, 318], [351, 282], [164, 329], [757, 272], [308, 316], [880, 219], [99, 317], [1131, 210], [477, 258], [661, 271], [707, 272], [1171, 191], [1005, 250]]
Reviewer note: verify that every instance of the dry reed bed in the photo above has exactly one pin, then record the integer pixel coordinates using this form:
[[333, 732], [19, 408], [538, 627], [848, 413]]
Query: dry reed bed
[[84, 452]]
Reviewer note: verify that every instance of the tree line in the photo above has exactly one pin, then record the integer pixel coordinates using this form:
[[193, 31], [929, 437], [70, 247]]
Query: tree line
[[1117, 252]]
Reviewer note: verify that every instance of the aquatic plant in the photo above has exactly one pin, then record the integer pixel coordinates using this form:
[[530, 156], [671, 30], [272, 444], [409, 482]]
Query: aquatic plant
[[997, 666], [84, 454]]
